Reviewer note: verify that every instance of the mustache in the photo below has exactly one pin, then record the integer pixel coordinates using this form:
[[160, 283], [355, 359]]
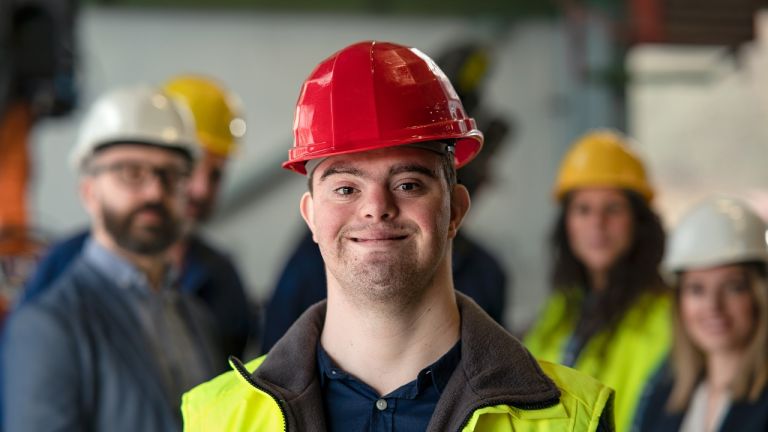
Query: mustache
[[155, 207]]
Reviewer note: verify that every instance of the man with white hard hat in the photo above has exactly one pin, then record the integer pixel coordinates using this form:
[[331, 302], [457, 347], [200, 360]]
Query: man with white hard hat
[[203, 270], [102, 349]]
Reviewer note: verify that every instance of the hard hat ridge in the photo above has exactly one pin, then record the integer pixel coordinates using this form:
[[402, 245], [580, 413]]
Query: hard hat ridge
[[717, 231], [602, 158], [217, 111], [373, 95], [135, 115]]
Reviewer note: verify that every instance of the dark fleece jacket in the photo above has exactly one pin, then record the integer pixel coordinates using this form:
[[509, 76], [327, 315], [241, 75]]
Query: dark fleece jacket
[[494, 369]]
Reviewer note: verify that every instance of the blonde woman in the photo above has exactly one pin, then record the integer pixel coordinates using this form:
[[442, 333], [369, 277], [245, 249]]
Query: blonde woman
[[719, 364]]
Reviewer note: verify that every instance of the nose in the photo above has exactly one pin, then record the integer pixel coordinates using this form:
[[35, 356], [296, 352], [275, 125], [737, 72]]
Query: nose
[[600, 218], [717, 301], [378, 205], [154, 188], [713, 301]]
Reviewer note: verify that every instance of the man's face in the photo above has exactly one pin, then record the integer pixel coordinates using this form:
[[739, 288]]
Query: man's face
[[203, 187], [383, 220], [135, 195]]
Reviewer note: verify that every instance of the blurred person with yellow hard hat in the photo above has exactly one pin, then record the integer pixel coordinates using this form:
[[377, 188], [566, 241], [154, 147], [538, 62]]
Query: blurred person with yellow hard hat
[[608, 314], [203, 270], [219, 127]]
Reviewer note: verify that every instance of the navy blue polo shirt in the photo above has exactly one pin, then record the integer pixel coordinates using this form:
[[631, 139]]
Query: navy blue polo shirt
[[352, 405]]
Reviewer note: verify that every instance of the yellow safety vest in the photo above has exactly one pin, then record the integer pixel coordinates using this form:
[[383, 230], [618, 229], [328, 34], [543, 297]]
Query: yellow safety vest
[[230, 403], [633, 355]]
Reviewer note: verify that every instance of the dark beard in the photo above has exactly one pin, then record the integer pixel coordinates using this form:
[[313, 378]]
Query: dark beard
[[199, 210], [147, 240]]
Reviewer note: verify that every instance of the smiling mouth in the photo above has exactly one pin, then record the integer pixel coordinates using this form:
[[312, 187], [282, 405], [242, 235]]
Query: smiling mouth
[[378, 239]]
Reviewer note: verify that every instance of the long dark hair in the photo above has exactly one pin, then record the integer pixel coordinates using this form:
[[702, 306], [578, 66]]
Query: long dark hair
[[633, 274]]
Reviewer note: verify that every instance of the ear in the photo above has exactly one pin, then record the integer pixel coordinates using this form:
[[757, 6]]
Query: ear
[[306, 206], [459, 207], [87, 191]]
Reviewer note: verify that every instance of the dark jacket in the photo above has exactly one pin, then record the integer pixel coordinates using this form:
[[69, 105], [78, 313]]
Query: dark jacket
[[743, 416], [494, 371], [206, 273], [77, 359]]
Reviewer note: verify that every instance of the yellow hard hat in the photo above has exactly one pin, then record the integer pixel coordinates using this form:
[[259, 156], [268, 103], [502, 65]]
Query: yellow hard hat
[[216, 111], [602, 158]]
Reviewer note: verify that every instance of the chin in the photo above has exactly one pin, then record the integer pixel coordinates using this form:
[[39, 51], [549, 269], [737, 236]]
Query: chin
[[599, 265]]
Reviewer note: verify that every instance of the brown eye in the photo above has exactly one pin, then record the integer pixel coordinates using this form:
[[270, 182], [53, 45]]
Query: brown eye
[[692, 289], [614, 208], [132, 173], [408, 187], [580, 209], [737, 287], [344, 190]]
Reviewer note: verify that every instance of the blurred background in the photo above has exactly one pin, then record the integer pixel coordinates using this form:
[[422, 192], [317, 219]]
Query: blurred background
[[688, 79]]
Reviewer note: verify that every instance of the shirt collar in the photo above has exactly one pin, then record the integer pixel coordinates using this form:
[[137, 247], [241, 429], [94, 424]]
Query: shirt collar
[[120, 270], [436, 374]]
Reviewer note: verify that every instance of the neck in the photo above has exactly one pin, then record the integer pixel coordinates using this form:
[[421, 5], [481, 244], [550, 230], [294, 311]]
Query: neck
[[722, 369], [599, 280], [152, 266], [177, 251], [387, 350]]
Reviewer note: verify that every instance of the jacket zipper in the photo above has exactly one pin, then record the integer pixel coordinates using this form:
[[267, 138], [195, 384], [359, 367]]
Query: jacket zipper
[[240, 368], [531, 406]]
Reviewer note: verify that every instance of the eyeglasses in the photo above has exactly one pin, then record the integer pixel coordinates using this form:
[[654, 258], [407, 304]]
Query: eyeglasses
[[137, 175]]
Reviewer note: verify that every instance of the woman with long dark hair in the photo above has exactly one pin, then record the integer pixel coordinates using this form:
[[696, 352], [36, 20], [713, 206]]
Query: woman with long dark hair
[[608, 314], [718, 380]]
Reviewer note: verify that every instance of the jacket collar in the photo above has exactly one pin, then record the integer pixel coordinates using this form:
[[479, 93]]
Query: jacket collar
[[494, 369]]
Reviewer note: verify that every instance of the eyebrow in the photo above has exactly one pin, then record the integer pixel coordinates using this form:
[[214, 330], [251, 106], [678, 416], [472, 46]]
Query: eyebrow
[[341, 169], [414, 168], [397, 169]]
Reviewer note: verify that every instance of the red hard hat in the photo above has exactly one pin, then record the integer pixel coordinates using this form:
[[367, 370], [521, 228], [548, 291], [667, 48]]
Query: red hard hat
[[373, 95]]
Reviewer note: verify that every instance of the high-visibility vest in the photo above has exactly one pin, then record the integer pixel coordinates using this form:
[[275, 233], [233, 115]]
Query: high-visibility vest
[[230, 403], [627, 363]]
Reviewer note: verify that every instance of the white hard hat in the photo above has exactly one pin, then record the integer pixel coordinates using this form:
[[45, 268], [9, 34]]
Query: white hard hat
[[136, 115], [718, 231]]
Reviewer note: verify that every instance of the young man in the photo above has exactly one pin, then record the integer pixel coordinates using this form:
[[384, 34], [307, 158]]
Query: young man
[[114, 343], [380, 132]]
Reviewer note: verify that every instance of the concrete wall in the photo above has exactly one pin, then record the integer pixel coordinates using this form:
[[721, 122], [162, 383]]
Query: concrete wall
[[699, 115]]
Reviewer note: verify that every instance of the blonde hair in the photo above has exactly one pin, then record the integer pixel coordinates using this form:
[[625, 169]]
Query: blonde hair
[[688, 361]]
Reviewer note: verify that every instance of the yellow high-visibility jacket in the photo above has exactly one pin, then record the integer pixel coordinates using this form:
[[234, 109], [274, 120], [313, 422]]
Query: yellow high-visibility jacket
[[497, 386], [626, 363]]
